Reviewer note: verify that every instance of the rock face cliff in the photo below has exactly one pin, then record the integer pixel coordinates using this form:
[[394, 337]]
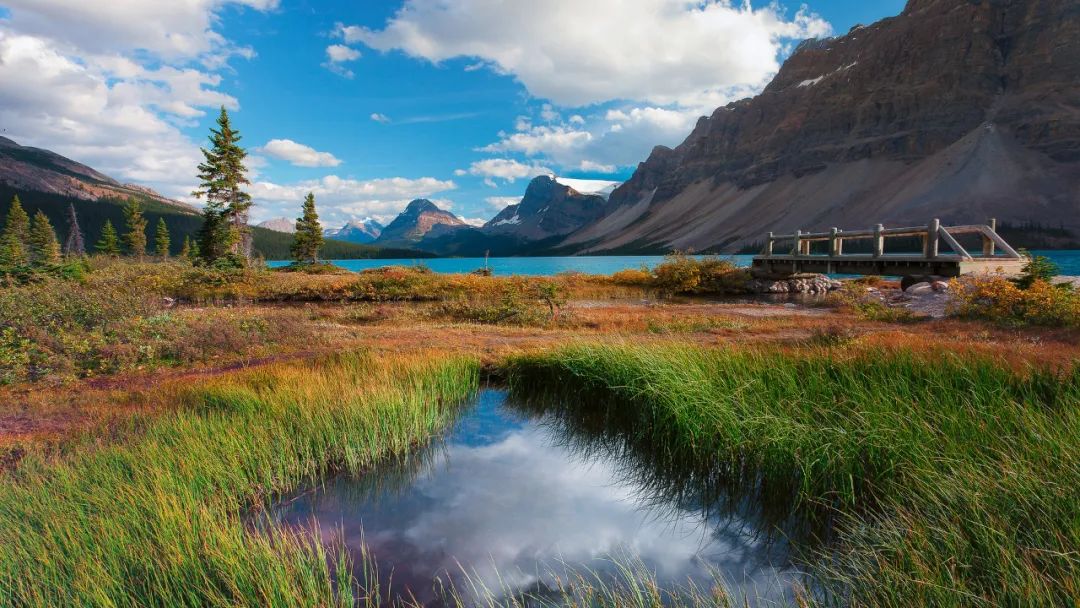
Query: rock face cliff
[[958, 109], [416, 221], [26, 168], [548, 209]]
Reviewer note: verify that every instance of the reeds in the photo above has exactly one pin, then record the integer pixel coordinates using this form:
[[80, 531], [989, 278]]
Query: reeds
[[158, 519], [952, 478]]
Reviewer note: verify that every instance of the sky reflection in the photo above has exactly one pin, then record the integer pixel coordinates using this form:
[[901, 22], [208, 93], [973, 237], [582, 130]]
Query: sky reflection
[[502, 498]]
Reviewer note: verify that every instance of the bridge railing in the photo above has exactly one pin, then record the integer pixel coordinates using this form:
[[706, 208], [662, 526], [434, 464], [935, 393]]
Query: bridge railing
[[932, 236]]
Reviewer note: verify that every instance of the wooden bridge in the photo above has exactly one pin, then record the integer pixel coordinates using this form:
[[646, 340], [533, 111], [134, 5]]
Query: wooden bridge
[[930, 262]]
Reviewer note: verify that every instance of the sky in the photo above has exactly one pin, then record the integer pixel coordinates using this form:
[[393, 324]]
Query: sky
[[372, 103]]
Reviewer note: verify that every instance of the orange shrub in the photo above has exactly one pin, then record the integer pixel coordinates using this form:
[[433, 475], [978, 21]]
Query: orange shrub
[[1000, 300]]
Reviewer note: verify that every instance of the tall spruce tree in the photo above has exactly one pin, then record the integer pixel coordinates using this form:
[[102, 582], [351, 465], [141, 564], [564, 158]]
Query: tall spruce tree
[[308, 239], [109, 244], [162, 241], [44, 246], [15, 241], [74, 244], [222, 175], [135, 225]]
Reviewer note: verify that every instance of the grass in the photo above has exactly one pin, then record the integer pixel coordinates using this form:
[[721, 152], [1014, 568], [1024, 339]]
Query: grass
[[156, 519], [951, 479]]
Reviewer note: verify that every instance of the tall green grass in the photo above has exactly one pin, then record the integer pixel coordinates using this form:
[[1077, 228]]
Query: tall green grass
[[159, 519], [953, 480]]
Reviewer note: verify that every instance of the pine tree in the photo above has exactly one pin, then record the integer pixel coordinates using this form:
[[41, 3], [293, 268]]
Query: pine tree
[[110, 242], [162, 239], [44, 246], [308, 239], [135, 222], [185, 249], [74, 245], [222, 175], [15, 241]]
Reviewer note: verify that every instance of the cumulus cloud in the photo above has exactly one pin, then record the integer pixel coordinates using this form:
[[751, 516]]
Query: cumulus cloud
[[109, 84], [620, 137], [506, 169], [498, 203], [340, 199], [298, 154], [338, 54], [675, 51]]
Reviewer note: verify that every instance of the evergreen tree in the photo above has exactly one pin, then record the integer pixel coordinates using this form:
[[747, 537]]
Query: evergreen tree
[[185, 249], [15, 241], [110, 242], [74, 244], [162, 239], [308, 239], [135, 237], [44, 246], [222, 175]]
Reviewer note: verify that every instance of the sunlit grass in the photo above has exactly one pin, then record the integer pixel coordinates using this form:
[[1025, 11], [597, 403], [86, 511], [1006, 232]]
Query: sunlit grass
[[953, 477], [157, 518]]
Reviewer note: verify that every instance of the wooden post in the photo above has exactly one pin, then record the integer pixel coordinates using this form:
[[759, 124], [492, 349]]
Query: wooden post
[[834, 243], [879, 241], [805, 248], [769, 245], [933, 235], [988, 243], [797, 249]]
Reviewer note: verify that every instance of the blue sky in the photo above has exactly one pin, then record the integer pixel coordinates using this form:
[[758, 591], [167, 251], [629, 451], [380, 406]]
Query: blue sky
[[370, 104]]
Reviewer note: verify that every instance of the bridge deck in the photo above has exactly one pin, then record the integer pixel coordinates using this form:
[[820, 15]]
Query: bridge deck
[[930, 263]]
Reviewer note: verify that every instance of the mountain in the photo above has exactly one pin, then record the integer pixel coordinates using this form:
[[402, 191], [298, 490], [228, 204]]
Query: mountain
[[415, 221], [48, 182], [26, 168], [357, 231], [548, 209], [957, 109], [279, 224]]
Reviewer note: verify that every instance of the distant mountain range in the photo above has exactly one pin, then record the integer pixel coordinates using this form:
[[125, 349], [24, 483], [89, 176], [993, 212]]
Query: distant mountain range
[[49, 182], [355, 231]]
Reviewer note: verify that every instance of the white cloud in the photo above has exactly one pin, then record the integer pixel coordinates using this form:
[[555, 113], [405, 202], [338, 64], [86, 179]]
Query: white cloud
[[474, 221], [110, 83], [380, 118], [499, 203], [336, 55], [680, 51], [621, 137], [298, 154], [505, 169], [340, 199], [340, 52]]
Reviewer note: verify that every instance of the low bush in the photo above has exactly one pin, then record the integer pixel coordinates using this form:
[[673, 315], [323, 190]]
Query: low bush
[[1002, 301]]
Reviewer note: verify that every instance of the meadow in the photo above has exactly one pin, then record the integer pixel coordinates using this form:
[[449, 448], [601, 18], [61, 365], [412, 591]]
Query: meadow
[[151, 409]]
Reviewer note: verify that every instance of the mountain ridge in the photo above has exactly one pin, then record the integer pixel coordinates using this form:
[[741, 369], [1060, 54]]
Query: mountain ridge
[[955, 109]]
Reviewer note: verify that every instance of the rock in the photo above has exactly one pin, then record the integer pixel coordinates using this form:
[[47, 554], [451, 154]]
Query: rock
[[939, 286], [919, 289], [813, 284]]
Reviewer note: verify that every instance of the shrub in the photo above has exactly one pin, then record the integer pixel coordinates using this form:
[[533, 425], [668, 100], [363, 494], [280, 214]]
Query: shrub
[[1003, 301], [1038, 268], [681, 274]]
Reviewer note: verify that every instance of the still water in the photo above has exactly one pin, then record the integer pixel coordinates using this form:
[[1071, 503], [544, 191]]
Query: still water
[[511, 496], [1068, 261]]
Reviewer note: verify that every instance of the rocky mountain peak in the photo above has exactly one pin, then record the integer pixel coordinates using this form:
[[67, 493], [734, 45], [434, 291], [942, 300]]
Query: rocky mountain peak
[[418, 218]]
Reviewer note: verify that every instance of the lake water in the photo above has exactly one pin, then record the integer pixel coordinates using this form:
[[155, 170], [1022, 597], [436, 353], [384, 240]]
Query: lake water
[[1069, 261], [511, 496]]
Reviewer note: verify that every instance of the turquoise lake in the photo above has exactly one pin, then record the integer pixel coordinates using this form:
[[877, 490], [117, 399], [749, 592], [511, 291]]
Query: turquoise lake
[[1068, 261]]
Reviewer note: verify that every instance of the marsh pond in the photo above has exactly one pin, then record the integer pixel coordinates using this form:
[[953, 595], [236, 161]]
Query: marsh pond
[[521, 500]]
